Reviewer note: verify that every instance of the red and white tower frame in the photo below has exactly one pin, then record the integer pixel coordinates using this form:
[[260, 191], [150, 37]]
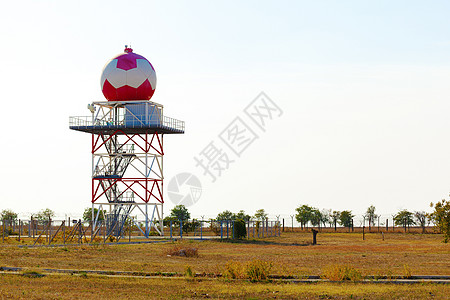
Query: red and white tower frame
[[127, 162]]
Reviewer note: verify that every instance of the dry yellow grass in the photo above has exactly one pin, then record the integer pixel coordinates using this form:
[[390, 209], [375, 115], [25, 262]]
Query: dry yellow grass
[[290, 254], [86, 287]]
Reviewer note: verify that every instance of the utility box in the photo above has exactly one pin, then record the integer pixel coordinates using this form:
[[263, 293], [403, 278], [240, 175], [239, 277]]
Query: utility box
[[142, 114]]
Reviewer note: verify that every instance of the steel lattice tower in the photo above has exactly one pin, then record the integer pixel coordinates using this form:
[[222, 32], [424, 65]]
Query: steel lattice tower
[[127, 161]]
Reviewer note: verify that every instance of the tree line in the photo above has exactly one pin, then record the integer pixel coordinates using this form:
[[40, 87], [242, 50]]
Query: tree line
[[304, 215], [440, 217], [42, 215]]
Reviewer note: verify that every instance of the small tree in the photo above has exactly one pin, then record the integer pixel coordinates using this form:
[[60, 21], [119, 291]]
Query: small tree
[[87, 214], [167, 220], [325, 217], [335, 215], [242, 215], [345, 218], [370, 215], [191, 225], [441, 218], [404, 218], [421, 218], [8, 214], [261, 214], [304, 214], [180, 212], [225, 215], [316, 217], [45, 214]]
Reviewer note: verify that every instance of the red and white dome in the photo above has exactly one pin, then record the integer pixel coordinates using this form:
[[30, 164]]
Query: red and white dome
[[128, 76]]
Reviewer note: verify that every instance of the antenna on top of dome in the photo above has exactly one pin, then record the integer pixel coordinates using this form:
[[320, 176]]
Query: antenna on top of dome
[[128, 49]]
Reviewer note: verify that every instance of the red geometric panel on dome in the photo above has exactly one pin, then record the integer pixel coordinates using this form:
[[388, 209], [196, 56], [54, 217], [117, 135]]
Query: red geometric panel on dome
[[109, 91], [144, 91], [128, 61], [125, 62], [127, 92]]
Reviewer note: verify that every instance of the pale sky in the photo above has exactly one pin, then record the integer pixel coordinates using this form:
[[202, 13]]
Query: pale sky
[[363, 87]]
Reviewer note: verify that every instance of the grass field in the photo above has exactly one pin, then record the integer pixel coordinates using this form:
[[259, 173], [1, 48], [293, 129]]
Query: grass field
[[75, 287], [291, 255]]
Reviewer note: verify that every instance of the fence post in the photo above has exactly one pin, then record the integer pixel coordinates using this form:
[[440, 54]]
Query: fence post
[[228, 222], [195, 228], [279, 232], [19, 229], [221, 229], [269, 228], [262, 222], [49, 229], [248, 229], [275, 227], [233, 228], [363, 232], [201, 230], [181, 229], [170, 229], [272, 228], [253, 227], [80, 239], [387, 225], [3, 231]]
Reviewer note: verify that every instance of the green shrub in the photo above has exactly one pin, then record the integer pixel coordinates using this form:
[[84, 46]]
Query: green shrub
[[234, 270], [188, 272], [258, 270], [341, 272], [407, 271], [239, 229], [441, 217], [32, 274], [83, 274]]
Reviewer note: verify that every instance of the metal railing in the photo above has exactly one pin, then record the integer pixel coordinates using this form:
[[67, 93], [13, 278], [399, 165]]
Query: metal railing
[[80, 121], [173, 123], [135, 122]]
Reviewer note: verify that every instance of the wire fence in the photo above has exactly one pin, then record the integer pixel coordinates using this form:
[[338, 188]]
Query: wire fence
[[47, 232]]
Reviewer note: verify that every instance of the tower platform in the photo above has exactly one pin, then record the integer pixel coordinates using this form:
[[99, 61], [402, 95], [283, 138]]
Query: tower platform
[[126, 129], [126, 117]]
